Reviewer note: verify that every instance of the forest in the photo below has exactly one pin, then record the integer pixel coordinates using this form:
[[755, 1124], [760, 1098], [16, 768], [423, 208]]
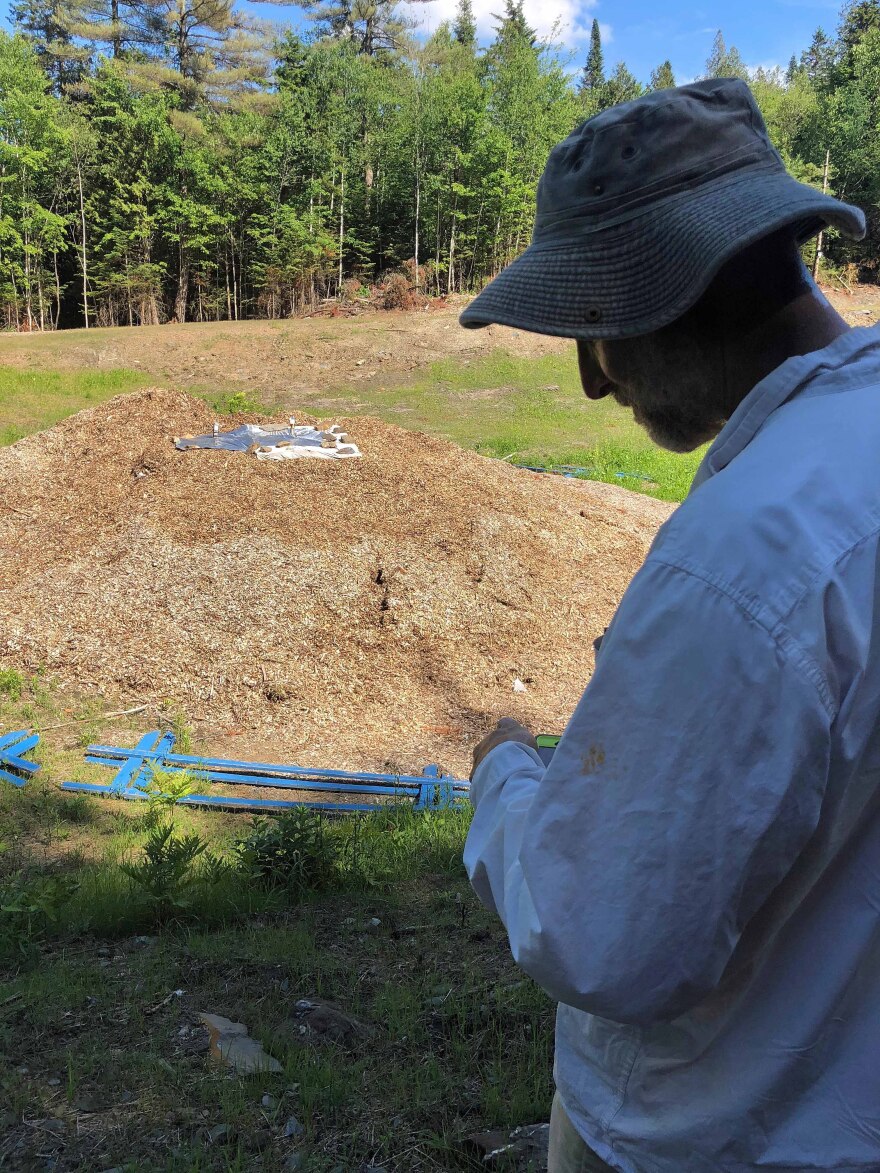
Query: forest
[[178, 160]]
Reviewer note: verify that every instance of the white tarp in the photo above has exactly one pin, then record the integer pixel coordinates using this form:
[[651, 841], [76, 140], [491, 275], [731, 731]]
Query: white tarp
[[277, 442]]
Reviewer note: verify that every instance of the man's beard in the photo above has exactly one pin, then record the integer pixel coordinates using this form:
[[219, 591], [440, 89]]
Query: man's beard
[[676, 429]]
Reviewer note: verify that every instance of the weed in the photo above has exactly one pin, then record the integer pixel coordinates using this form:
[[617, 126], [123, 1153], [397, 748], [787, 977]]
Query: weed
[[174, 718], [166, 875], [293, 850], [28, 906], [241, 403], [11, 684], [164, 789]]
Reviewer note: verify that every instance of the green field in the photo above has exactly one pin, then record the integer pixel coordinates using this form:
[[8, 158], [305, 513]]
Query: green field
[[524, 409]]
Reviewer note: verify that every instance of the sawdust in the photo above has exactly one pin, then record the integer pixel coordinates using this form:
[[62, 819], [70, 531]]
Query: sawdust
[[367, 613]]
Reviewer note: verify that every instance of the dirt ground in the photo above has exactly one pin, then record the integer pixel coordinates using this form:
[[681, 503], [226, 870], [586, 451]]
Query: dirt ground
[[304, 359], [298, 359]]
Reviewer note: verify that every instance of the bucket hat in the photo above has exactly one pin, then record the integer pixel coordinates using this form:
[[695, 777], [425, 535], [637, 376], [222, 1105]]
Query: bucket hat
[[640, 207]]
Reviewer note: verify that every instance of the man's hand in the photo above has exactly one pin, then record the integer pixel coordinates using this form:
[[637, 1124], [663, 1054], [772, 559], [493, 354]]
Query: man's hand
[[507, 729]]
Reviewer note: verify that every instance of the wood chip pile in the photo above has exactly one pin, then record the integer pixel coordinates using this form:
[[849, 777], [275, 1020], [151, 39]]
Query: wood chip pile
[[367, 613]]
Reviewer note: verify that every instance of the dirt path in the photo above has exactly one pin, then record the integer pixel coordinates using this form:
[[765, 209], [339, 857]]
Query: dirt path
[[296, 359]]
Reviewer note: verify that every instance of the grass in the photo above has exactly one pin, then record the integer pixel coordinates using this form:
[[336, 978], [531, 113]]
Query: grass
[[103, 1064], [31, 400], [531, 411]]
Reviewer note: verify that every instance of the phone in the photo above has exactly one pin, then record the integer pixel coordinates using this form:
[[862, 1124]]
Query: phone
[[547, 743]]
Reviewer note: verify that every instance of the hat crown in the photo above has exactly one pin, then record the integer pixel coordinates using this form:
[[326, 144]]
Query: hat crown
[[646, 149]]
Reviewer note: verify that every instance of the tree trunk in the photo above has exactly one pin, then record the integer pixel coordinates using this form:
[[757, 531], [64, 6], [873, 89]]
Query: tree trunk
[[416, 240], [820, 240], [182, 295], [341, 225], [57, 291], [82, 218], [114, 23]]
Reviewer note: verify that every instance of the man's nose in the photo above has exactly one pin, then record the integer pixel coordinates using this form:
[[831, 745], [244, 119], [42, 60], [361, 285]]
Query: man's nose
[[593, 379]]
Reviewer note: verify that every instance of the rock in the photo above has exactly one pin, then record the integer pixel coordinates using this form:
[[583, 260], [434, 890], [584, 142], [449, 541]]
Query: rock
[[374, 922], [258, 1140], [54, 1126], [293, 1162], [53, 1082], [524, 1148], [219, 1134], [230, 1043], [292, 1128], [326, 1022], [269, 1103]]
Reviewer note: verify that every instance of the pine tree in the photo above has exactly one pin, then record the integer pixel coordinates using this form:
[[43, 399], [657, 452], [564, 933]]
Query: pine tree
[[622, 86], [818, 60], [593, 77], [464, 28], [372, 26], [662, 77], [47, 26], [856, 19], [513, 27], [206, 51], [724, 62]]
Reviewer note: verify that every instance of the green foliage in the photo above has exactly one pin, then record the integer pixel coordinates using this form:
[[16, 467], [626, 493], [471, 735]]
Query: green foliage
[[11, 684], [594, 70], [293, 850], [29, 907], [166, 876], [164, 790], [156, 168]]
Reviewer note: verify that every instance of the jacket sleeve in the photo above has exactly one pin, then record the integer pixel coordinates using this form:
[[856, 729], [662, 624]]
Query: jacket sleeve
[[688, 781]]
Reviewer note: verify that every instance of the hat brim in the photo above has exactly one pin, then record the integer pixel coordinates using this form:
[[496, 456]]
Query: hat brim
[[635, 277]]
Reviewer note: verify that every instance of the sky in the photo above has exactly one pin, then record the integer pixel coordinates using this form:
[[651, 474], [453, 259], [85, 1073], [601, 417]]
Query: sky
[[644, 32], [641, 32]]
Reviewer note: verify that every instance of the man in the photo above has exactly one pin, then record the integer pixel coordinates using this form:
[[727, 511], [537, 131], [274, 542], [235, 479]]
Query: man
[[696, 876]]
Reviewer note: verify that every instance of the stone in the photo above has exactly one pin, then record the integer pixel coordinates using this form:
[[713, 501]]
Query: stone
[[292, 1128], [269, 1102], [524, 1148], [293, 1162], [219, 1134], [230, 1043], [326, 1022], [53, 1082]]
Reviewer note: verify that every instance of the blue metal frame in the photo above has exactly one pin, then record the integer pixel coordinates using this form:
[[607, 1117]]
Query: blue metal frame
[[12, 748], [428, 790]]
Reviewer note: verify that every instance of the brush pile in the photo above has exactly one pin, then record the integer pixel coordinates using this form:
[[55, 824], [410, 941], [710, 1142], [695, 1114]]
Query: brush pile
[[364, 613]]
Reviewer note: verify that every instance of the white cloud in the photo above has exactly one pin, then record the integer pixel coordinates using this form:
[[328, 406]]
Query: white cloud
[[574, 17]]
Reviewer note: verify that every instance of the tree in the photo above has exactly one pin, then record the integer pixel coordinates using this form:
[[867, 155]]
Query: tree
[[724, 62], [662, 77], [33, 229], [47, 25], [206, 52], [622, 86], [593, 76], [464, 28], [372, 26], [818, 60]]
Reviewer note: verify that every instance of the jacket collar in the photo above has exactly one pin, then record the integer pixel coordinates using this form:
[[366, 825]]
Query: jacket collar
[[777, 388]]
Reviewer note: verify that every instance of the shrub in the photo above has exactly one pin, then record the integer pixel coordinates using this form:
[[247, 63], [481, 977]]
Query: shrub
[[167, 875], [294, 850], [27, 908], [11, 684]]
